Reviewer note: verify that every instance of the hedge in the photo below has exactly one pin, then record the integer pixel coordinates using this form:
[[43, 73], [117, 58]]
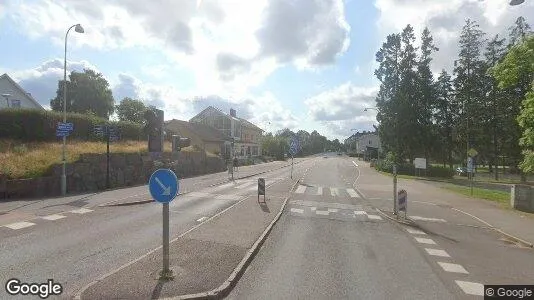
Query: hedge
[[409, 169], [39, 125]]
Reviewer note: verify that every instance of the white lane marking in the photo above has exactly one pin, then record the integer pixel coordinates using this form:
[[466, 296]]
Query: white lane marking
[[228, 197], [202, 219], [374, 217], [322, 212], [334, 192], [220, 187], [453, 268], [353, 193], [333, 210], [81, 211], [244, 185], [297, 210], [437, 252], [360, 212], [471, 288], [19, 225], [313, 208], [355, 164], [53, 217], [414, 231], [319, 191], [425, 241], [300, 189], [427, 219]]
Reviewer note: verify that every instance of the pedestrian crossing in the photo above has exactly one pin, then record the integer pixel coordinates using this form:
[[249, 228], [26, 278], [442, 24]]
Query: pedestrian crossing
[[326, 191], [330, 210]]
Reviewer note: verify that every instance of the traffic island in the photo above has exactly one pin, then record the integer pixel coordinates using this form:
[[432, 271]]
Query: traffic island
[[205, 260]]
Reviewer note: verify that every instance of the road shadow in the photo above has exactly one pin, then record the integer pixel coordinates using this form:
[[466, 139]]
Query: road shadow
[[264, 207]]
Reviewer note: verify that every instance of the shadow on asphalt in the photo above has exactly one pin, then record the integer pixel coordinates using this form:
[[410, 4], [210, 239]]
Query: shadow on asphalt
[[264, 207]]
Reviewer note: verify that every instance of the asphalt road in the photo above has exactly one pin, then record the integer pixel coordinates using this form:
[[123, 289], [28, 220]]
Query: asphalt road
[[74, 242], [333, 244]]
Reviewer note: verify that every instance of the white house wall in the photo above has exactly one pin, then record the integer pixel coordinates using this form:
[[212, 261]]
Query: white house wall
[[6, 87]]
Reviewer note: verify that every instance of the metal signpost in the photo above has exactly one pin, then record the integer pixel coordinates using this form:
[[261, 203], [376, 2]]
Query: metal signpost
[[112, 134], [470, 170], [395, 189], [403, 202], [293, 149], [261, 188], [164, 186]]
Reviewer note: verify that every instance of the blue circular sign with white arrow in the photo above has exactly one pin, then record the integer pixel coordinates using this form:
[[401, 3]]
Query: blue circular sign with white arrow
[[163, 185]]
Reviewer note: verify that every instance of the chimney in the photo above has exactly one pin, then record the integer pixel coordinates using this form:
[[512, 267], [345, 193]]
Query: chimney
[[232, 112]]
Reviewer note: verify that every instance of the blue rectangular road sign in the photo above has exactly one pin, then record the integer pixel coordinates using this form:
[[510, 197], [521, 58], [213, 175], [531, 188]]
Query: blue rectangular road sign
[[65, 126], [62, 133]]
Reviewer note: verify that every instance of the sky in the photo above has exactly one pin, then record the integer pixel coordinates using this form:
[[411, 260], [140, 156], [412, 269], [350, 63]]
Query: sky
[[298, 64]]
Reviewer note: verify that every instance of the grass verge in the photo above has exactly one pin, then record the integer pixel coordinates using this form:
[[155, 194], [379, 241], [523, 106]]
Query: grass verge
[[500, 197], [30, 160]]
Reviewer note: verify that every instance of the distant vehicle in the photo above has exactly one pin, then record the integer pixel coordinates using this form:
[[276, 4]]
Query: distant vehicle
[[339, 153], [461, 171], [324, 156]]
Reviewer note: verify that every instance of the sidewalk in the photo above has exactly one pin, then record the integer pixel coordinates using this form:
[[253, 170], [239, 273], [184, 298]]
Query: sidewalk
[[512, 222], [202, 259]]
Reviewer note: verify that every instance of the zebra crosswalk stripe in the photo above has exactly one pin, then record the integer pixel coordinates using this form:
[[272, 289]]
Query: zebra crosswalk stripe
[[353, 193], [300, 189]]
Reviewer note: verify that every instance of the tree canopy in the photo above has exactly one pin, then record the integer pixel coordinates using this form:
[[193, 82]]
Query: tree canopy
[[131, 110], [87, 92]]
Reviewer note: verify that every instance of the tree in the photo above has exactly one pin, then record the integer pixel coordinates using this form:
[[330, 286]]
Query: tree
[[516, 72], [86, 92], [495, 108], [519, 32], [446, 111], [469, 71], [426, 95], [131, 110]]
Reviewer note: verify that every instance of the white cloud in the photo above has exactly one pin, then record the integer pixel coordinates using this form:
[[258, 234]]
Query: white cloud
[[42, 81], [226, 45], [342, 108], [445, 19]]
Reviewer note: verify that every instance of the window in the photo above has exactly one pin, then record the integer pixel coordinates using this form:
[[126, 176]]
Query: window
[[15, 103]]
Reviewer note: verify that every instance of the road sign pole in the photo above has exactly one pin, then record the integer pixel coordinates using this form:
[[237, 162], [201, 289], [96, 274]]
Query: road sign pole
[[166, 273], [394, 189], [107, 160], [291, 166]]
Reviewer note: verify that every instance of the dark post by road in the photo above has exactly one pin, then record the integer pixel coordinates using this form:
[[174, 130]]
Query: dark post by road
[[107, 157], [394, 189], [166, 271], [291, 166]]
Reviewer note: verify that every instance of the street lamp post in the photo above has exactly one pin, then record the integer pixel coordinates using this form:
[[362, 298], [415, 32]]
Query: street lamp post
[[7, 98], [78, 28]]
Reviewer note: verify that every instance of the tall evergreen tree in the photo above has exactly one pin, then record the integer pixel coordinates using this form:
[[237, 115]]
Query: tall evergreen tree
[[468, 71], [445, 114]]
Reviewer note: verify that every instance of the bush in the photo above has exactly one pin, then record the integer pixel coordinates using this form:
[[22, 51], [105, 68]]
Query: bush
[[38, 125], [409, 169]]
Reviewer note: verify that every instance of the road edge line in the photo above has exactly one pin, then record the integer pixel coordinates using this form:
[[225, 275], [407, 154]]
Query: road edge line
[[238, 271]]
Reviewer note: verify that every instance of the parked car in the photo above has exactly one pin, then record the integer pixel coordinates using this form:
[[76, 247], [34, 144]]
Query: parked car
[[461, 171]]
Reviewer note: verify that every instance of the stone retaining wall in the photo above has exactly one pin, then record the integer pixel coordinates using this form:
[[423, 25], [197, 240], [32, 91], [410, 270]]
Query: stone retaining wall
[[89, 173]]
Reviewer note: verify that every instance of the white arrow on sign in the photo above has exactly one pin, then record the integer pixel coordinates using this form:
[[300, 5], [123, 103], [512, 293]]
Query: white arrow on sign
[[166, 190]]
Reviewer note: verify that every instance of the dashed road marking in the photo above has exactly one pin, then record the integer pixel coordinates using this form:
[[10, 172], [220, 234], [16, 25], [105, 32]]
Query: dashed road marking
[[319, 191], [81, 211], [313, 208], [334, 192], [427, 219], [19, 225], [414, 231], [425, 241], [360, 212], [322, 212], [333, 210], [300, 189], [202, 219], [53, 217], [374, 217], [437, 252], [453, 268], [297, 210], [471, 288], [353, 193]]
